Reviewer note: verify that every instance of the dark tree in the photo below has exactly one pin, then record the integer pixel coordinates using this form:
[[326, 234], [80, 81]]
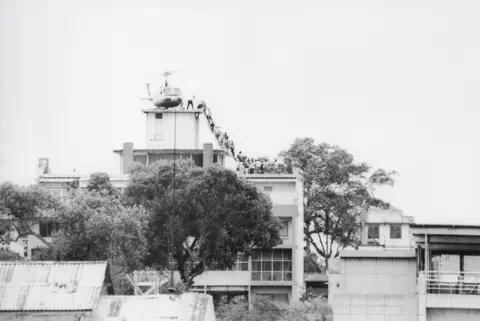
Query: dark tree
[[310, 263], [337, 191], [26, 206], [100, 182], [216, 215]]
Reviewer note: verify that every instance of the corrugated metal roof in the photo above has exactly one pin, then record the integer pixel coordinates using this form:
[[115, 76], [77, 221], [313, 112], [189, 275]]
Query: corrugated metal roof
[[50, 286], [185, 307]]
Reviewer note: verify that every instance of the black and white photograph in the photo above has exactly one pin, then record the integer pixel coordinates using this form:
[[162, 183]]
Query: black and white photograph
[[305, 160]]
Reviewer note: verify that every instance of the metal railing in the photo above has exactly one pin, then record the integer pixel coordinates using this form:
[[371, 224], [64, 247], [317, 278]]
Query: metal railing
[[452, 282], [147, 277]]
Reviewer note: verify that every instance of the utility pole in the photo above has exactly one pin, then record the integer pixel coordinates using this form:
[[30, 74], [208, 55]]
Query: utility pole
[[173, 213]]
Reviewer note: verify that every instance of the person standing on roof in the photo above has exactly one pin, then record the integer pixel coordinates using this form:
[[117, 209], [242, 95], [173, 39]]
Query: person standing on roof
[[190, 102]]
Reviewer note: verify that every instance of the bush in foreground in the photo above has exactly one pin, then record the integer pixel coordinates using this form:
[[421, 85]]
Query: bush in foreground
[[263, 309]]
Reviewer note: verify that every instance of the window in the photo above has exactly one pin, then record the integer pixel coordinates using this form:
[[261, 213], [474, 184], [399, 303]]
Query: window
[[48, 228], [241, 264], [272, 265], [395, 231], [158, 116], [373, 231], [169, 91], [268, 189], [284, 229]]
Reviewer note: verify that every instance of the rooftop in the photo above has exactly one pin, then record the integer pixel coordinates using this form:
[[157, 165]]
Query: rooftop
[[171, 111], [169, 151], [50, 286], [188, 306]]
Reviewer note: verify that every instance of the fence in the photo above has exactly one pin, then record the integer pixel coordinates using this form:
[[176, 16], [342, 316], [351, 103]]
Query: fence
[[452, 282]]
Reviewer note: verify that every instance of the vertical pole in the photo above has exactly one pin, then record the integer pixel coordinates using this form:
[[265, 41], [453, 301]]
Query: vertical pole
[[427, 255], [172, 281]]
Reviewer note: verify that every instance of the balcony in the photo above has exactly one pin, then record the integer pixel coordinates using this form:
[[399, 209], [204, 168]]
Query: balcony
[[450, 289]]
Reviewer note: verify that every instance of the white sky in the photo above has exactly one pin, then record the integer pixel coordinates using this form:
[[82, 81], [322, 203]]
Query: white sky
[[394, 82]]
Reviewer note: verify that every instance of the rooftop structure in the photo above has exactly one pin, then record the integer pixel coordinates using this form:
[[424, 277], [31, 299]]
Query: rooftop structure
[[185, 307], [388, 228], [50, 290]]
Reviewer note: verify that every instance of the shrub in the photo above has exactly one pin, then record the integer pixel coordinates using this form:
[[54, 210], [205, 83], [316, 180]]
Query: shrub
[[263, 309]]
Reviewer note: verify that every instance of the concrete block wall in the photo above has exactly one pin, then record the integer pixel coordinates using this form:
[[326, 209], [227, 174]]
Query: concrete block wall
[[453, 314], [374, 288], [375, 307], [380, 276]]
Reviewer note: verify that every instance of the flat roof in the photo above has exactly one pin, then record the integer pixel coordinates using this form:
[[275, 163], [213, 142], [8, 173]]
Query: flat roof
[[268, 177], [171, 111], [444, 229], [454, 226], [392, 254], [169, 151]]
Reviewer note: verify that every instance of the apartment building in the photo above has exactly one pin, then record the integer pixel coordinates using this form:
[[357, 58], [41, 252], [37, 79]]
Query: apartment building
[[277, 273]]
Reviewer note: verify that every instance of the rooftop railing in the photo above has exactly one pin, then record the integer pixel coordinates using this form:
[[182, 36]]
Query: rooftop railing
[[452, 282], [265, 169]]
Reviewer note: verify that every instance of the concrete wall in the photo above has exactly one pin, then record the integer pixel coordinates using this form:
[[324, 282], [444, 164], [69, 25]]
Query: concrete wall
[[223, 278], [256, 290], [298, 248], [453, 314], [282, 193], [380, 276], [160, 132], [375, 308], [374, 288]]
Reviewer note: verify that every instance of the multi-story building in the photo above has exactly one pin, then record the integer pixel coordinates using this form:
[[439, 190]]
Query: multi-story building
[[389, 228], [277, 273], [170, 134]]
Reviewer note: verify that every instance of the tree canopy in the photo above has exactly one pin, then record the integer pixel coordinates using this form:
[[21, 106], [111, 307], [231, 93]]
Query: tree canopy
[[264, 309], [215, 215], [95, 227], [26, 206], [337, 190], [310, 263], [100, 182]]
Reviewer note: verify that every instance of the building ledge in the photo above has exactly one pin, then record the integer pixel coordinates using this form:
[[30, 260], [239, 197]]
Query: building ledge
[[390, 253], [453, 301], [171, 111], [168, 151], [272, 283]]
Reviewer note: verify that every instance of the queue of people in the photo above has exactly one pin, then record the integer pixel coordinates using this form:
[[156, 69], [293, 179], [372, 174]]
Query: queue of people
[[247, 165]]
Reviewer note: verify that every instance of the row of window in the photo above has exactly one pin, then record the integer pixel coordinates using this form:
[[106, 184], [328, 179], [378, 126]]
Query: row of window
[[267, 265], [374, 231], [272, 265]]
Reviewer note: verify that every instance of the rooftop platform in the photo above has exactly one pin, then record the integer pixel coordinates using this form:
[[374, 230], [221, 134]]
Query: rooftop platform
[[447, 237], [171, 111], [168, 151], [378, 253]]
